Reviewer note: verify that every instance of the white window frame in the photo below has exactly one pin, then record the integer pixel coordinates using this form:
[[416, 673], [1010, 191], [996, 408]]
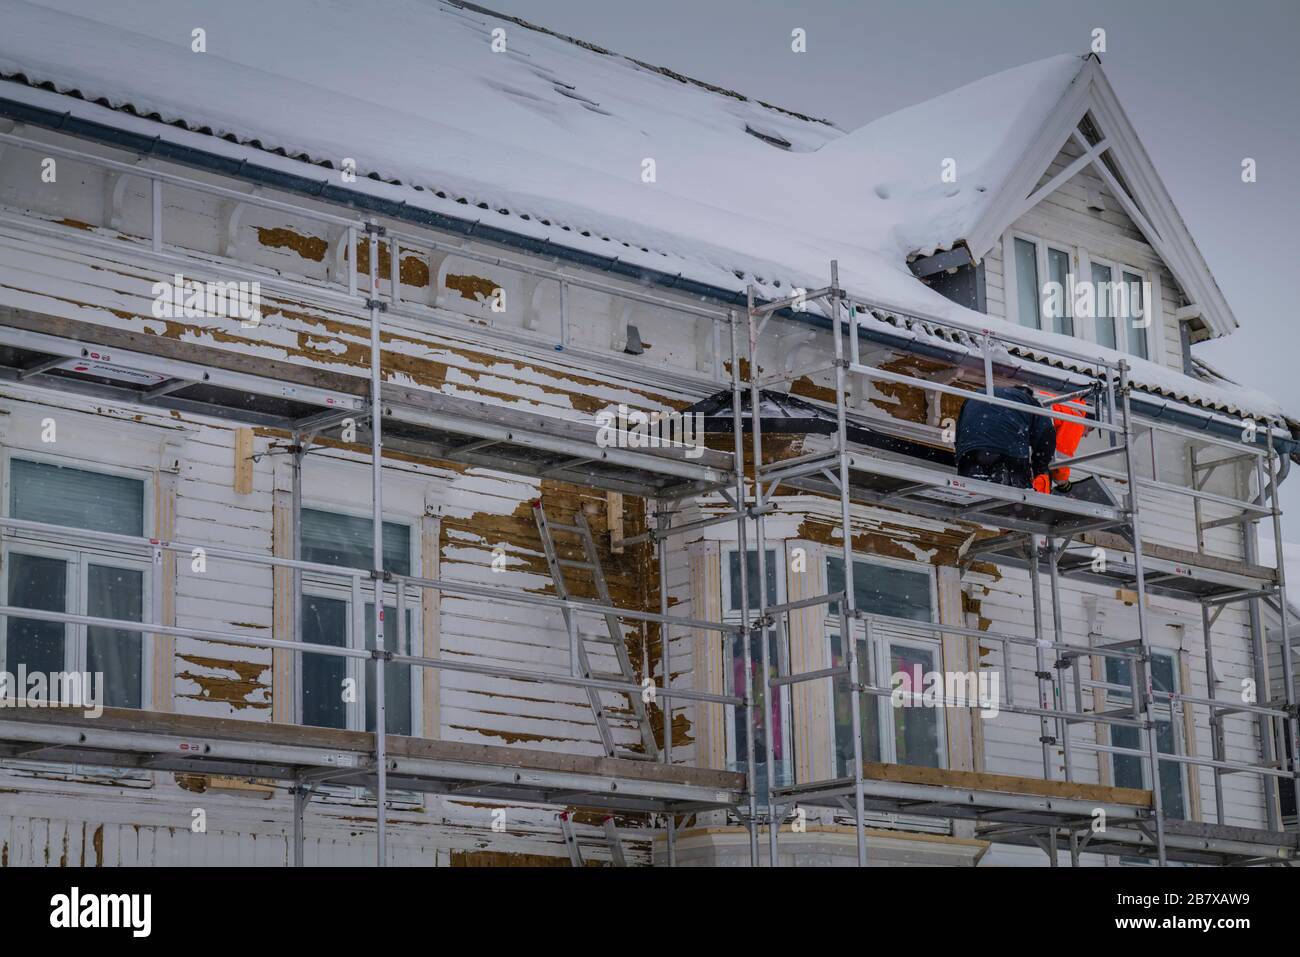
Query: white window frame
[[79, 556], [340, 587], [1117, 270], [889, 741], [1011, 284], [732, 616], [888, 744], [1081, 266]]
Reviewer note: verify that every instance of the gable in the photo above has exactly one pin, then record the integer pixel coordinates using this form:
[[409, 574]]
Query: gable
[[1089, 127]]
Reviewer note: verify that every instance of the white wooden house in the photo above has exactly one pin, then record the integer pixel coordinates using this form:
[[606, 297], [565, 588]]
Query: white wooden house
[[566, 231]]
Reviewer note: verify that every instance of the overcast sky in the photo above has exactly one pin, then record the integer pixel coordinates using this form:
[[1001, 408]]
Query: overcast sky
[[1205, 82]]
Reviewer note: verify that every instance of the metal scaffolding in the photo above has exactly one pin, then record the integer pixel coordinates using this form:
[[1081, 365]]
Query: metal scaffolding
[[435, 426], [1035, 530]]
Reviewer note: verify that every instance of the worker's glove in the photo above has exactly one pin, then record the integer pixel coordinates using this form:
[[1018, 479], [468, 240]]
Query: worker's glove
[[1043, 484]]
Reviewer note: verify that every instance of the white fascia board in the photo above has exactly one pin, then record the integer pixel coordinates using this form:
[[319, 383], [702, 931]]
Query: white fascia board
[[1179, 250]]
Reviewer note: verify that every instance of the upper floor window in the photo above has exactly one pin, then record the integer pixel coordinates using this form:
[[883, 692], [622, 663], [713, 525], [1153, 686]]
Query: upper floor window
[[40, 572], [1063, 289]]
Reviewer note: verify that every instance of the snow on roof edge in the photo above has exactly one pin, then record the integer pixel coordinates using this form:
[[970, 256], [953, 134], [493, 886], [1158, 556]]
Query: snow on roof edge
[[1161, 381]]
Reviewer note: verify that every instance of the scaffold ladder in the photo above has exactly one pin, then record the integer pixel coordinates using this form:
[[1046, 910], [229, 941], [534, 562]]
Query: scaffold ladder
[[570, 839], [616, 856], [578, 641]]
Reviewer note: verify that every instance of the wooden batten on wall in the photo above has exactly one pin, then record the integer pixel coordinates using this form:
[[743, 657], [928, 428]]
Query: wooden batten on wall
[[957, 656], [810, 701], [431, 612], [614, 516], [706, 602], [282, 629], [164, 646], [243, 461]]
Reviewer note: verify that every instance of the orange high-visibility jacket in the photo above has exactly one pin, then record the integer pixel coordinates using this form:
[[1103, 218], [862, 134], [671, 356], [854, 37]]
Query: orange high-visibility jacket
[[1068, 437]]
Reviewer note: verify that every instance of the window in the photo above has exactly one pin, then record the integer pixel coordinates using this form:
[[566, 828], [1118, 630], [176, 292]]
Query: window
[[1027, 289], [1039, 305], [1103, 320], [778, 709], [340, 692], [1132, 771], [908, 735], [88, 580], [1134, 314], [1046, 285], [1058, 271], [1120, 307]]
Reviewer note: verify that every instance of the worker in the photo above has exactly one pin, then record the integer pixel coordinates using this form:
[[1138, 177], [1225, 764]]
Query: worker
[[1001, 444], [1068, 436]]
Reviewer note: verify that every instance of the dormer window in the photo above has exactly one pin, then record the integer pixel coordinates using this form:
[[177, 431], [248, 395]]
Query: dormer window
[[1061, 288]]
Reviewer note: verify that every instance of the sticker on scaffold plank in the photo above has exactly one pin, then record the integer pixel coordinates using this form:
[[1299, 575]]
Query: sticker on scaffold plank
[[103, 368]]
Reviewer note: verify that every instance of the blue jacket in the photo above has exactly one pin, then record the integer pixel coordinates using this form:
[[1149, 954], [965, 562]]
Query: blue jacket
[[1017, 435]]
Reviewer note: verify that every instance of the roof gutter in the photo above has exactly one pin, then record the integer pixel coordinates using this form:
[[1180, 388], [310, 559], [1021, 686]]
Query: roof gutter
[[326, 191]]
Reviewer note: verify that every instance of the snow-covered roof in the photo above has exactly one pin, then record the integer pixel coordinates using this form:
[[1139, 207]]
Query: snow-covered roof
[[550, 138]]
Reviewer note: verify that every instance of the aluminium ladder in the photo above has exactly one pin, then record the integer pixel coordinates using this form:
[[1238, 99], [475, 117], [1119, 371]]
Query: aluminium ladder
[[616, 856], [578, 641]]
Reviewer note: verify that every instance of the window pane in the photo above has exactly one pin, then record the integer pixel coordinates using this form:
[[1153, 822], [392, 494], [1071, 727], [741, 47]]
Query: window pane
[[1162, 674], [870, 709], [1119, 672], [1137, 336], [332, 539], [117, 655], [882, 589], [1171, 774], [1101, 305], [1027, 282], [58, 495], [916, 727], [397, 677], [1058, 271], [324, 622], [751, 572], [1128, 768], [782, 774], [41, 583]]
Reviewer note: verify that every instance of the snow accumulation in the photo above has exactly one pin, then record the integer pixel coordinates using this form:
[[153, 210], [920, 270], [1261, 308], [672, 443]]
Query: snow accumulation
[[551, 138]]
